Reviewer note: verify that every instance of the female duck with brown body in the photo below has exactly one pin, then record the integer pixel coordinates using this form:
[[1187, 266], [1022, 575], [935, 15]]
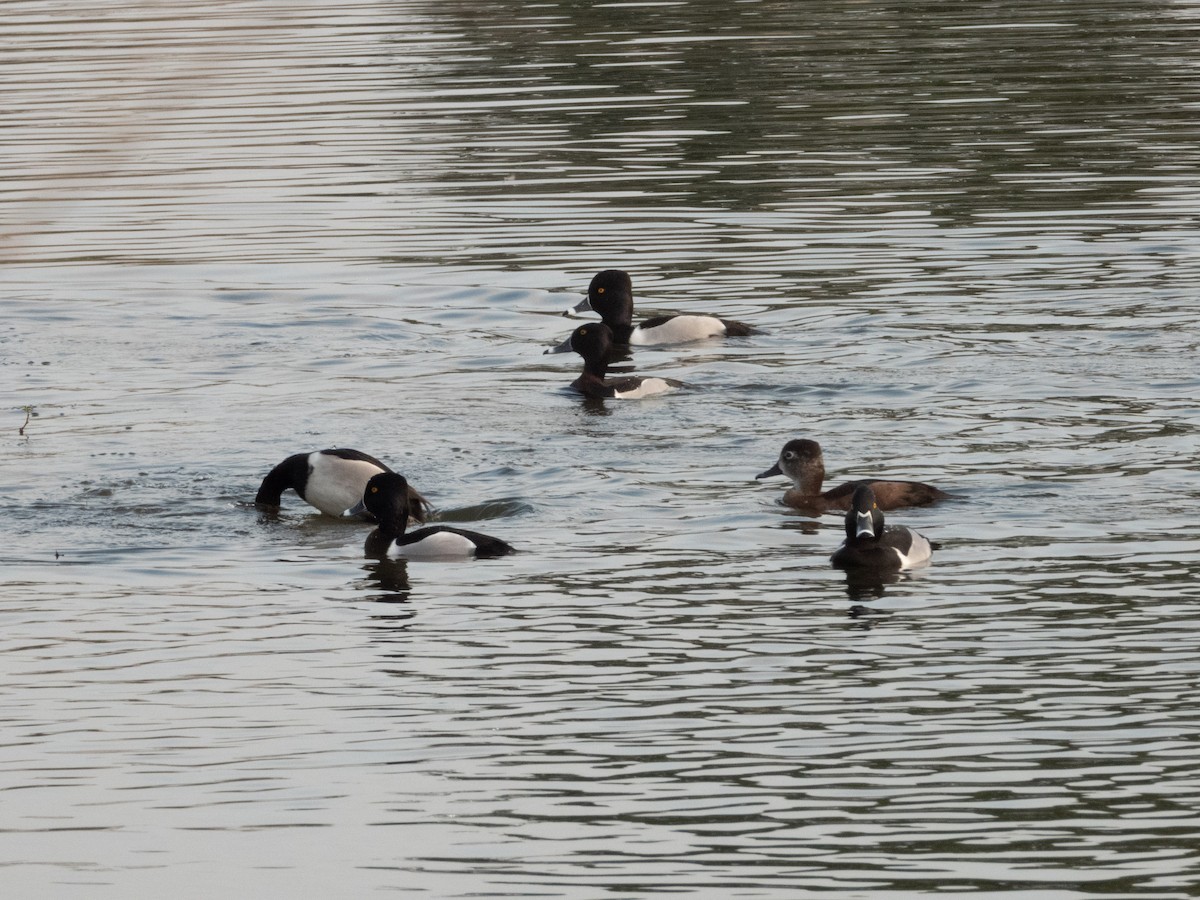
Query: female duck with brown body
[[802, 461], [870, 547], [386, 498], [330, 480], [594, 344], [611, 295]]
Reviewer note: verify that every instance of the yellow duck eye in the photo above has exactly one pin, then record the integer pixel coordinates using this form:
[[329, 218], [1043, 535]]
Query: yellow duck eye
[[374, 490], [599, 290]]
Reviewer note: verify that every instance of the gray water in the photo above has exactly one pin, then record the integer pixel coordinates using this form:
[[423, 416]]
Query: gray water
[[231, 232]]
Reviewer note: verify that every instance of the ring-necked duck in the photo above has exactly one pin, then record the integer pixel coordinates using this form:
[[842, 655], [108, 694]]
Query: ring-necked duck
[[802, 461], [871, 546], [330, 480], [594, 343], [611, 295], [387, 498]]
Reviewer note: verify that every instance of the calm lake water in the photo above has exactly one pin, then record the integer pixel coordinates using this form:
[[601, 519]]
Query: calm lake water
[[234, 231]]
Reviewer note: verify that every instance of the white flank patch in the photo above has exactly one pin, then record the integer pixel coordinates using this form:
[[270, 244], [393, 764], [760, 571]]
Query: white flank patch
[[336, 484], [679, 330], [920, 551], [441, 545], [648, 388]]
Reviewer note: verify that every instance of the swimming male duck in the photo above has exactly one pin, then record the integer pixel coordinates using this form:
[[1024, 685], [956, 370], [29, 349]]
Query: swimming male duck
[[594, 343], [330, 480], [386, 497], [802, 461], [611, 295], [871, 546]]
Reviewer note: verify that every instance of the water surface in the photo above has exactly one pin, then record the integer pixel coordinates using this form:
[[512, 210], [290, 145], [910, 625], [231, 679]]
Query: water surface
[[233, 232]]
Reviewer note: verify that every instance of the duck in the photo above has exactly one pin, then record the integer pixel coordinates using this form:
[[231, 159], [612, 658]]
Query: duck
[[611, 295], [594, 342], [331, 480], [802, 461], [869, 546], [386, 497]]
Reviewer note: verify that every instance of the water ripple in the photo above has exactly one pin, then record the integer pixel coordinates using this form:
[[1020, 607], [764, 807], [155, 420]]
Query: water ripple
[[234, 233]]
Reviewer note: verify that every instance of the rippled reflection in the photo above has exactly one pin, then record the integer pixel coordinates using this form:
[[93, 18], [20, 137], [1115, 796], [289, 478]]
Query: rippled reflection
[[233, 232]]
